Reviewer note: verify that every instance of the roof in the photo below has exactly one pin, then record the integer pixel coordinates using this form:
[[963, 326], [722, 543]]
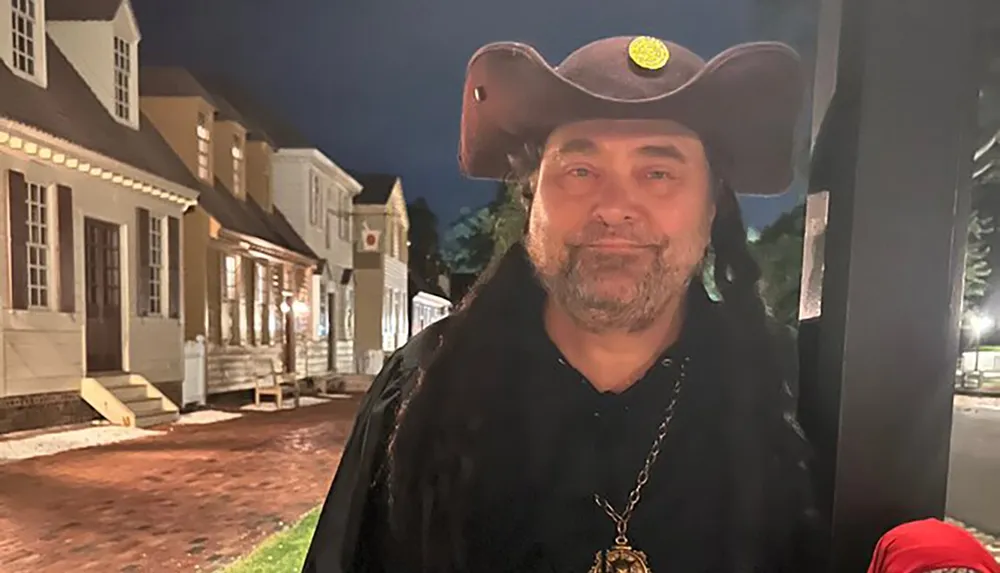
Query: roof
[[69, 110], [171, 81], [81, 10], [417, 284], [260, 121], [376, 188], [248, 217]]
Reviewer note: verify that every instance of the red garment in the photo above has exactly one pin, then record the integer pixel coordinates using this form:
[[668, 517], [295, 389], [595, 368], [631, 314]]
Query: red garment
[[922, 546]]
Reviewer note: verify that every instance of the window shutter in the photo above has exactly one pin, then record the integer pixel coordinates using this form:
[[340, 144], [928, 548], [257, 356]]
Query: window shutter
[[142, 270], [18, 210], [174, 262], [67, 254]]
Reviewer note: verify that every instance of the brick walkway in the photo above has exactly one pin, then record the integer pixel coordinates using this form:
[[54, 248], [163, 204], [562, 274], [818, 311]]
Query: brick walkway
[[190, 500]]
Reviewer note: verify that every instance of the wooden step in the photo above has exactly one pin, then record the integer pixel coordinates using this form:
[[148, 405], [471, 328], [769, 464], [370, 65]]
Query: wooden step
[[158, 418], [145, 406], [129, 392]]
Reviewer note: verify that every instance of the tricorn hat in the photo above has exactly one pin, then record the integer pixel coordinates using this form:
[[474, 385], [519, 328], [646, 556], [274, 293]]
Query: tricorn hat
[[744, 103]]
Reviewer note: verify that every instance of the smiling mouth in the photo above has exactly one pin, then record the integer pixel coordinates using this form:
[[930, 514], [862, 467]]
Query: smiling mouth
[[616, 246]]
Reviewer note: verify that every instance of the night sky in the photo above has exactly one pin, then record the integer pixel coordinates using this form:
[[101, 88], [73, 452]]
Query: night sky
[[377, 83]]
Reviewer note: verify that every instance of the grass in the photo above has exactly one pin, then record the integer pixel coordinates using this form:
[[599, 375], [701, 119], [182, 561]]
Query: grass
[[283, 552]]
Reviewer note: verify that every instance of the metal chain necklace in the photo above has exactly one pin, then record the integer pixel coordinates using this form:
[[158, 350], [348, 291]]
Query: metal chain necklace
[[621, 557]]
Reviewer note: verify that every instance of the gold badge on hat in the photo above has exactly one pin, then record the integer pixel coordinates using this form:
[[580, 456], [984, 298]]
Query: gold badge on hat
[[648, 53]]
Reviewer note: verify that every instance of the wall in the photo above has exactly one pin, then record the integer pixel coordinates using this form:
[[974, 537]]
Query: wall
[[176, 118], [222, 149], [369, 284], [44, 351], [258, 173], [195, 227]]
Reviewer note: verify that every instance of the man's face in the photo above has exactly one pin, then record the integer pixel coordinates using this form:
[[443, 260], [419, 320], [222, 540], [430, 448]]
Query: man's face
[[621, 219]]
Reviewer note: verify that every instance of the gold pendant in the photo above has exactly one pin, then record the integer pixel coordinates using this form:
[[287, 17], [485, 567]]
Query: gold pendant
[[620, 559]]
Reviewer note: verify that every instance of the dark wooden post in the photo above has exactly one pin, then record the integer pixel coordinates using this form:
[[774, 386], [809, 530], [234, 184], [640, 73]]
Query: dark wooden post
[[885, 239]]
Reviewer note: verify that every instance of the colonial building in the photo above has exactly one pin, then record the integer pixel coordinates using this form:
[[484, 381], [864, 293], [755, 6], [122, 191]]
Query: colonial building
[[380, 268], [92, 202], [315, 195], [429, 302], [248, 274]]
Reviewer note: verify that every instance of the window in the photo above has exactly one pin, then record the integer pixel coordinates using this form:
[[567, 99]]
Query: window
[[24, 40], [230, 301], [155, 265], [123, 79], [38, 246], [204, 139], [328, 230], [345, 216], [315, 201], [323, 322], [260, 293], [237, 164], [276, 316], [348, 332]]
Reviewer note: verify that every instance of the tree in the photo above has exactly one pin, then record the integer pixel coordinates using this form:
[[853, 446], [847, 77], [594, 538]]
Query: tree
[[778, 251], [509, 219], [468, 244], [977, 267], [425, 255]]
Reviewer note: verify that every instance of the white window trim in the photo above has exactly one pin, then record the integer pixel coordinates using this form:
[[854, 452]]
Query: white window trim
[[203, 134], [128, 104], [51, 270], [229, 305], [159, 268], [40, 75], [237, 157]]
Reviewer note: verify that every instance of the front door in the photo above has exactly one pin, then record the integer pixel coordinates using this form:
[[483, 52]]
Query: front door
[[104, 298], [331, 332]]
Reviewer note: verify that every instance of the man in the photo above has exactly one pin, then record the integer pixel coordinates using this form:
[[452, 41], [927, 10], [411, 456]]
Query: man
[[590, 406]]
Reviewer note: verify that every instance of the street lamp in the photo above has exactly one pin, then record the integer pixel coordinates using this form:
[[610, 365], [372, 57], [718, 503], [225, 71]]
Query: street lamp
[[980, 325]]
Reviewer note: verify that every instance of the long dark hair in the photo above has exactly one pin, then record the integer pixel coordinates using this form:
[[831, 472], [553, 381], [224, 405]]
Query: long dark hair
[[466, 383]]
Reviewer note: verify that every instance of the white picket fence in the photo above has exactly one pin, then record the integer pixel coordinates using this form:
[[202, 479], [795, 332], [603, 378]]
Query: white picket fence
[[193, 391]]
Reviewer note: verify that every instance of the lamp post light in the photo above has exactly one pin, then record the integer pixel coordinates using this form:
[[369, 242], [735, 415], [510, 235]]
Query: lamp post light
[[980, 325]]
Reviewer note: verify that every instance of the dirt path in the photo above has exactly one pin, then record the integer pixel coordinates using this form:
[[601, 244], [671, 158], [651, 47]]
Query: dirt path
[[190, 500]]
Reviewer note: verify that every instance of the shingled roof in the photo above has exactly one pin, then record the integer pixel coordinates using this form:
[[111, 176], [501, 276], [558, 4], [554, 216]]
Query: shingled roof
[[242, 216], [81, 10], [249, 218], [171, 81], [376, 188], [69, 110], [262, 122]]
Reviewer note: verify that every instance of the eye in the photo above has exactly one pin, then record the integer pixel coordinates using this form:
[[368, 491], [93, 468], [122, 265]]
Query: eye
[[580, 172], [659, 174]]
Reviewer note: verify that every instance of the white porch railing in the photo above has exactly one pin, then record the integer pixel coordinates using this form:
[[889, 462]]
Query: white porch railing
[[193, 391]]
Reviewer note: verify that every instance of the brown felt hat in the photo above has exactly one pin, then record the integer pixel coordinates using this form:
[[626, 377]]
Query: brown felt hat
[[744, 103]]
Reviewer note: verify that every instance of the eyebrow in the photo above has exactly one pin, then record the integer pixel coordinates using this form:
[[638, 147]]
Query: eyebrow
[[578, 145], [587, 146], [662, 151]]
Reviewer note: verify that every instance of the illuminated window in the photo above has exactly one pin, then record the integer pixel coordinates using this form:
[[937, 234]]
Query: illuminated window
[[237, 164], [204, 142]]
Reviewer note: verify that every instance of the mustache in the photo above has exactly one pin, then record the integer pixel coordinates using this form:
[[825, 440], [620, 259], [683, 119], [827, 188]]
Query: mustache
[[598, 232]]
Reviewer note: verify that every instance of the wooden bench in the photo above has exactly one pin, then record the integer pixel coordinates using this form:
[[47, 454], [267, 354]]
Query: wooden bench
[[274, 382], [323, 382]]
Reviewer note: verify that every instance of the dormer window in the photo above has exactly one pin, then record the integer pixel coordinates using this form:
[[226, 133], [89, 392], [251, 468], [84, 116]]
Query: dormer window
[[237, 163], [24, 35], [123, 79], [204, 142]]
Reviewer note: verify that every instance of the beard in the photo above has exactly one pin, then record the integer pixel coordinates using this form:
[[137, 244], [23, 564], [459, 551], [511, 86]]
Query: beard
[[605, 291]]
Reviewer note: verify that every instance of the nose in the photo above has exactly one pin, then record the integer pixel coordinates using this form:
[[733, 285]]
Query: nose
[[615, 204]]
